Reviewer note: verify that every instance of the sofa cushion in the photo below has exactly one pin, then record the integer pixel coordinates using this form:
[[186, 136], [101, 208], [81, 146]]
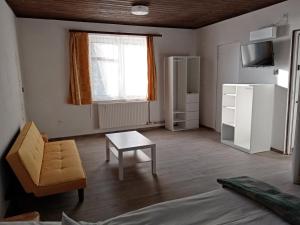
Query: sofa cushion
[[61, 164], [31, 153]]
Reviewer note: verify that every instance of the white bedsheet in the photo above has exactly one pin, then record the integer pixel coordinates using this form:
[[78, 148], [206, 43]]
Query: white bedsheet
[[212, 208]]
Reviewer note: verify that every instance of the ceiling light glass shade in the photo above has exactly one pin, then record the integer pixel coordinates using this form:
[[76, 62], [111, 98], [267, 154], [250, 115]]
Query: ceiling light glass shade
[[140, 10]]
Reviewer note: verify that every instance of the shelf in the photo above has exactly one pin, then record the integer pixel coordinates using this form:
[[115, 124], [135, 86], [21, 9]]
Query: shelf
[[229, 107], [229, 124], [131, 157], [178, 121], [179, 117], [178, 128], [231, 94], [179, 125], [178, 112], [229, 90]]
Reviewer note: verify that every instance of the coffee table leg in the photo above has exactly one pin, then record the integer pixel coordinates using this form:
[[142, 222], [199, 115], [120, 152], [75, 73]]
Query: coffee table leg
[[107, 150], [121, 172], [153, 159]]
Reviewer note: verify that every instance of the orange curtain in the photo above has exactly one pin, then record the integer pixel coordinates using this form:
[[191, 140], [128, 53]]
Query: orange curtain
[[151, 70], [80, 85]]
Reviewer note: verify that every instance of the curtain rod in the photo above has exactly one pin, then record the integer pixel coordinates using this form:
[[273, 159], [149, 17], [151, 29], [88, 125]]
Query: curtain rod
[[117, 33]]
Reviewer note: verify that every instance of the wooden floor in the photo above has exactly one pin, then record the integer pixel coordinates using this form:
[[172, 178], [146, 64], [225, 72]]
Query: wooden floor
[[189, 163]]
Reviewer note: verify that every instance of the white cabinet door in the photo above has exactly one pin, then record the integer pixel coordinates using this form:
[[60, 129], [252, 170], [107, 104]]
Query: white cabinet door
[[243, 116]]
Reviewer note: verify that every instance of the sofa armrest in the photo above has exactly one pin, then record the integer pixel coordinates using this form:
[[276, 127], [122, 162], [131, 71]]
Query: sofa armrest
[[45, 137]]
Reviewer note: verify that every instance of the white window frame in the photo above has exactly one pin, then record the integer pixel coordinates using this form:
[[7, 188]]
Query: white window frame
[[121, 50]]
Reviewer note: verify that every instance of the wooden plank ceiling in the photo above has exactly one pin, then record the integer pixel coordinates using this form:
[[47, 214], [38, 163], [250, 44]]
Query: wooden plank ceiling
[[163, 13]]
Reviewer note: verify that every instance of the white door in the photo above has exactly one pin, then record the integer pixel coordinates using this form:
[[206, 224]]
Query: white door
[[294, 123], [228, 73], [296, 101]]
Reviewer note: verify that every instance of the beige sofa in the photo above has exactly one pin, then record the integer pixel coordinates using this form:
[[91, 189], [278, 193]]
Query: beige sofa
[[46, 168]]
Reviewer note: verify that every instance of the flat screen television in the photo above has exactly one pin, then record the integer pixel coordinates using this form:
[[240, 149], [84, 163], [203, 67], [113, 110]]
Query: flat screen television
[[257, 54]]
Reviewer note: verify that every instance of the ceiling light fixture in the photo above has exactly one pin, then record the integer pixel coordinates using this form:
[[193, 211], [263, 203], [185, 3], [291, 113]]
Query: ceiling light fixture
[[140, 10]]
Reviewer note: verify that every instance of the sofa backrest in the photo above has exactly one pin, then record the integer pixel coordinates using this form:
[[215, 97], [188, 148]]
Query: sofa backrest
[[26, 156]]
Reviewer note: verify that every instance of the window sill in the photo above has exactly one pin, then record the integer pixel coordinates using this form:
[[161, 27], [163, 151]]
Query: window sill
[[119, 101]]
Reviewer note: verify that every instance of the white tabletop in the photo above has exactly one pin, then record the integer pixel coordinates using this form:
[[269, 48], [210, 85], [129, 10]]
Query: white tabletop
[[127, 140]]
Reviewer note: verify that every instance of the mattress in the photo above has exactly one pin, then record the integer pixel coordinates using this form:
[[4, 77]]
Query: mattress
[[211, 208]]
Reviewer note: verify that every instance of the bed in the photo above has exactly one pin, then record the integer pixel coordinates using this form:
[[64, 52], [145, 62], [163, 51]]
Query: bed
[[220, 206]]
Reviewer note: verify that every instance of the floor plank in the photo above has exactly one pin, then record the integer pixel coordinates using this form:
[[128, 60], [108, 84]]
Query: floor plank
[[189, 162]]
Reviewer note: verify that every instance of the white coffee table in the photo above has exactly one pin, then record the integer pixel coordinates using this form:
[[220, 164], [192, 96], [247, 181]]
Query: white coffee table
[[128, 145]]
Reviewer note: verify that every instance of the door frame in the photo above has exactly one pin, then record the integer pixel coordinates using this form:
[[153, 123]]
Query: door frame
[[295, 45]]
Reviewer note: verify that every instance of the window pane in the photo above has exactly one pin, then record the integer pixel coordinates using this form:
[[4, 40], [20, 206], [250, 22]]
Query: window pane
[[108, 51], [118, 67], [135, 70], [105, 80]]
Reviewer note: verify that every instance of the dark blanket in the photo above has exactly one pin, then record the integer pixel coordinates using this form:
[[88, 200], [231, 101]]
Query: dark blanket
[[284, 205]]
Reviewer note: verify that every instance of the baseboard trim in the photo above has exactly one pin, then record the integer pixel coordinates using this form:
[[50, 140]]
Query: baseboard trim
[[103, 131], [277, 150], [209, 128]]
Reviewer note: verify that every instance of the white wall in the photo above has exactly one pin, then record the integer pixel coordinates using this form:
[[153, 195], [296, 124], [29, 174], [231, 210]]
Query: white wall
[[11, 100], [45, 68], [233, 30], [294, 12], [237, 30]]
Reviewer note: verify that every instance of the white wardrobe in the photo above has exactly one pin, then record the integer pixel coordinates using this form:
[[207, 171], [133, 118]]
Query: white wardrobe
[[247, 115], [182, 89]]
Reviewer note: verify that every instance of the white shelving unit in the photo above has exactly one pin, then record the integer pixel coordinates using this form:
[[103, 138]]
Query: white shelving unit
[[247, 114], [182, 88]]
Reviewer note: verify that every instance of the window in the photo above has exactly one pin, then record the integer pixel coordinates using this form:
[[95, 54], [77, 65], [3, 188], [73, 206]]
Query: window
[[118, 66]]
